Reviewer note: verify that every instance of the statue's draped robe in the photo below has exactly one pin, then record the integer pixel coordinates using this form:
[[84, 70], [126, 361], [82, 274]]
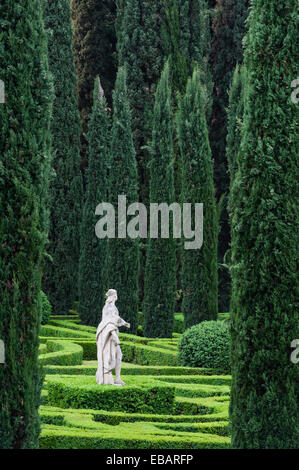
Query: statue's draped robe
[[106, 348]]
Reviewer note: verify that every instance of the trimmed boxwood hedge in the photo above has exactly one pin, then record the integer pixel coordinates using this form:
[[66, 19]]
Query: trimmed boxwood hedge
[[89, 369], [83, 392], [61, 352], [61, 332], [206, 345], [54, 437], [136, 353]]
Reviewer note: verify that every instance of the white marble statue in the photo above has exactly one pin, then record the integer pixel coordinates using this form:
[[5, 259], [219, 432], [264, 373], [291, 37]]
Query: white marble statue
[[108, 346]]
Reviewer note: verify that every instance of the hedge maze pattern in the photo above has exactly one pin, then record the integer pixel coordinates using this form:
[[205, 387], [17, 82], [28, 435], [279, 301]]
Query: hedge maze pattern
[[162, 406]]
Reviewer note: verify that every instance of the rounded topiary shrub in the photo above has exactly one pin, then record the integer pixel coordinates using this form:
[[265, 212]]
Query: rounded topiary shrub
[[45, 308], [206, 345]]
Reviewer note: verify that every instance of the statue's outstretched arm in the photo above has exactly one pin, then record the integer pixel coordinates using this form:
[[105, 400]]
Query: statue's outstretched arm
[[122, 322]]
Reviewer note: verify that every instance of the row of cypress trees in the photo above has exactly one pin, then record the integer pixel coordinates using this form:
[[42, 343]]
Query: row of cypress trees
[[147, 24], [146, 34], [115, 262]]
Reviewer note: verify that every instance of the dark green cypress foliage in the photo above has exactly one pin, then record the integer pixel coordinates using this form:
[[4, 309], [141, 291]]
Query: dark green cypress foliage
[[160, 272], [199, 272], [195, 41], [123, 255], [186, 41], [235, 119], [228, 29], [140, 46], [94, 48], [265, 317], [178, 64], [60, 281], [24, 174], [92, 266]]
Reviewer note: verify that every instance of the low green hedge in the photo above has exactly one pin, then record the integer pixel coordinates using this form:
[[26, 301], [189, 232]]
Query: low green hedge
[[216, 412], [206, 345], [131, 369], [147, 355], [57, 420], [58, 437], [136, 353], [61, 332], [83, 392], [61, 353]]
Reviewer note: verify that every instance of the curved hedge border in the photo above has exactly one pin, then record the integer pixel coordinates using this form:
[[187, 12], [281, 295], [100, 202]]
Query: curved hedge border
[[61, 352]]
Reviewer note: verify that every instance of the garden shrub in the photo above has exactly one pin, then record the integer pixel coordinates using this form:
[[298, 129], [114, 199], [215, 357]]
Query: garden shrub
[[82, 392], [45, 308], [206, 345]]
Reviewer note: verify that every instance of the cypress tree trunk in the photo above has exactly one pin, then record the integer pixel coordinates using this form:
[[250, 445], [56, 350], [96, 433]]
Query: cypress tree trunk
[[199, 270], [228, 29], [60, 280], [92, 266], [264, 396], [24, 169], [94, 48], [160, 272], [123, 252]]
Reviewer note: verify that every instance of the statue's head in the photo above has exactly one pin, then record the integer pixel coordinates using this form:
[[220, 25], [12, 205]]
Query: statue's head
[[111, 295]]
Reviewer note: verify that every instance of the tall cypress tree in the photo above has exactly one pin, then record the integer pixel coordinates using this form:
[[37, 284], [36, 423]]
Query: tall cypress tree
[[228, 29], [186, 40], [94, 48], [24, 169], [160, 272], [60, 279], [199, 271], [264, 396], [123, 262], [93, 255], [140, 46]]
